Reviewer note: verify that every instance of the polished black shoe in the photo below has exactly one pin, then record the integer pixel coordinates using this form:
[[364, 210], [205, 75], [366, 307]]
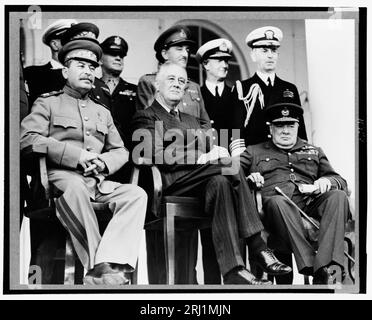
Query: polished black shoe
[[270, 264], [243, 276], [104, 274]]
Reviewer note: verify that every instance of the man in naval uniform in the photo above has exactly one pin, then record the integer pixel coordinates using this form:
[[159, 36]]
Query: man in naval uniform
[[48, 77], [83, 147], [173, 45], [304, 174], [214, 56], [252, 95]]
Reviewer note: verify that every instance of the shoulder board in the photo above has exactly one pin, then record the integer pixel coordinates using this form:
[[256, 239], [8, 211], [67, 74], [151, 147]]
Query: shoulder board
[[98, 101], [308, 147], [52, 93]]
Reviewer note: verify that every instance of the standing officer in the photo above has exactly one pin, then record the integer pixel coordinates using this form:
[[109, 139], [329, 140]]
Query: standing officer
[[48, 77], [84, 147], [251, 96], [304, 174], [173, 45], [214, 56], [121, 95]]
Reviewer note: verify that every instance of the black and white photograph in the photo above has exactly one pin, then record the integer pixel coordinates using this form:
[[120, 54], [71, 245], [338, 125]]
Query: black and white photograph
[[185, 149]]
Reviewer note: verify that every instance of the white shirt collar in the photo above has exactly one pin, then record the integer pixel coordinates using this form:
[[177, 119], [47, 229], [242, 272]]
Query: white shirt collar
[[56, 65], [264, 77], [212, 87]]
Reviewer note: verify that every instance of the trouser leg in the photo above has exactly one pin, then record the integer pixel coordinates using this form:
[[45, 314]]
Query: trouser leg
[[211, 268], [76, 213], [122, 237], [284, 221], [332, 208]]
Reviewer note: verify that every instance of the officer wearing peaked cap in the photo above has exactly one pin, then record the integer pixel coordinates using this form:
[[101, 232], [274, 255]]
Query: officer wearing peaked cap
[[214, 57], [304, 174], [89, 31], [253, 95], [83, 147], [81, 30], [173, 45], [48, 77], [118, 94]]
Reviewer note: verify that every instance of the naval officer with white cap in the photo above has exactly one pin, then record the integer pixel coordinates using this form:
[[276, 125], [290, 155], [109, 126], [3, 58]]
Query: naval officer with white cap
[[252, 95], [48, 77]]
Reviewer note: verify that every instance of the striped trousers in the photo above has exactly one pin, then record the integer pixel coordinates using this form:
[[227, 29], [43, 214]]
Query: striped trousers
[[121, 239]]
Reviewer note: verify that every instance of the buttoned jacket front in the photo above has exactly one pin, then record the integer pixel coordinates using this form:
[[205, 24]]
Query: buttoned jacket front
[[302, 164], [67, 123]]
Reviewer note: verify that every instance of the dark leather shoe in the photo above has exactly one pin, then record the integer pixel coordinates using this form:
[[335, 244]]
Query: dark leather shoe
[[243, 276], [104, 274], [270, 264]]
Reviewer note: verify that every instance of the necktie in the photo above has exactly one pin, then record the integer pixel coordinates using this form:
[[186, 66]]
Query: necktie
[[270, 85], [174, 113], [111, 85], [217, 93]]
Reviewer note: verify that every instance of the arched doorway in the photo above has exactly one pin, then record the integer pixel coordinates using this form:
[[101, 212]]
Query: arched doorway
[[203, 31]]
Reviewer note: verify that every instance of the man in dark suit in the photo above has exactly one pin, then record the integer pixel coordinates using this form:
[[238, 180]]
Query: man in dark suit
[[304, 174], [251, 96], [48, 77], [191, 165]]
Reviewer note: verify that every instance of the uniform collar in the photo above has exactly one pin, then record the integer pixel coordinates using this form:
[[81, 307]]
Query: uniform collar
[[263, 76], [299, 144], [74, 93], [212, 87]]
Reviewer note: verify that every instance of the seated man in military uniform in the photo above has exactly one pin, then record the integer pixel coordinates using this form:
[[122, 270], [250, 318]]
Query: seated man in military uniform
[[83, 147], [303, 173]]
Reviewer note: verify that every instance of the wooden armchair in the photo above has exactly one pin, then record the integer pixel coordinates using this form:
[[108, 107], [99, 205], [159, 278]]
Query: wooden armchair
[[51, 246], [171, 213]]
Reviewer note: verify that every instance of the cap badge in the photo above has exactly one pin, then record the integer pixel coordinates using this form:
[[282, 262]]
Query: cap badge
[[117, 41], [269, 35], [223, 46], [288, 94], [183, 34], [285, 112]]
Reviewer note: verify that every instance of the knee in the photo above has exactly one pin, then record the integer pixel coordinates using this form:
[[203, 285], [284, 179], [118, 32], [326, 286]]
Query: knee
[[273, 202], [218, 181], [135, 193], [337, 195], [76, 185]]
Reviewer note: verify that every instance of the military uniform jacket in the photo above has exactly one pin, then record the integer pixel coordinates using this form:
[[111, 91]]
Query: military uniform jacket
[[43, 79], [256, 130], [218, 109], [175, 156], [303, 164], [67, 123], [192, 102], [121, 104]]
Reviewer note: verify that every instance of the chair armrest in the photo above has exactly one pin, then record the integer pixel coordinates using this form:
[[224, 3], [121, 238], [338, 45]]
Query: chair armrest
[[157, 190], [34, 157]]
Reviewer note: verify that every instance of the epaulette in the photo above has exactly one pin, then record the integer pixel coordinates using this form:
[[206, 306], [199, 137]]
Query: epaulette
[[93, 98], [52, 93]]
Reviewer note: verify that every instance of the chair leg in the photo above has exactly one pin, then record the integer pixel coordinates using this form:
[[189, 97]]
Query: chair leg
[[169, 243], [69, 262]]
